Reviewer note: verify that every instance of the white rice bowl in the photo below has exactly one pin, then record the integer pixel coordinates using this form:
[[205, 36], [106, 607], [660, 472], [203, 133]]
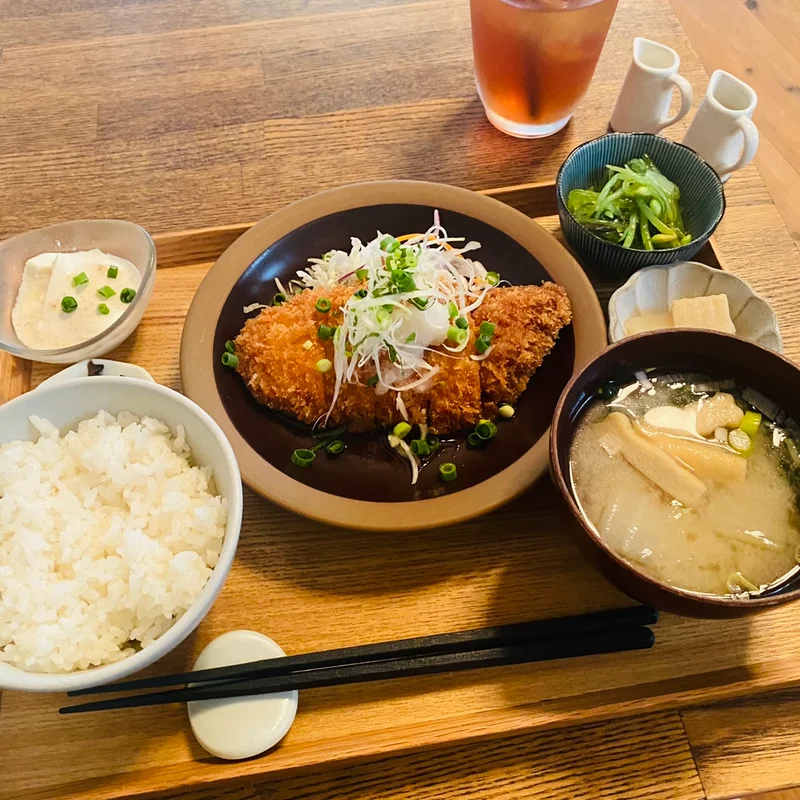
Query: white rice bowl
[[107, 536]]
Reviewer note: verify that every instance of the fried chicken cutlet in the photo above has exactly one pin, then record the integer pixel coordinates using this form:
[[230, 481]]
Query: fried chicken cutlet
[[279, 367]]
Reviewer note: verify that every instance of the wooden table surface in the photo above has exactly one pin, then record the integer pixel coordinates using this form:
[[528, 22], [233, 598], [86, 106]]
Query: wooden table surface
[[188, 113]]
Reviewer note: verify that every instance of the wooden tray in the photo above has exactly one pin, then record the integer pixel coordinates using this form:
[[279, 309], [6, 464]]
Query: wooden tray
[[312, 587]]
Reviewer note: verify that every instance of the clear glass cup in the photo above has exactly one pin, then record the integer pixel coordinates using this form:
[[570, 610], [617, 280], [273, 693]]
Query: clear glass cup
[[534, 59]]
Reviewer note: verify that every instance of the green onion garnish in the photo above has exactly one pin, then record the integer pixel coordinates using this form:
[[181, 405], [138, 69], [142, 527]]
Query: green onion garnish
[[323, 305], [411, 338], [403, 281], [80, 279], [486, 429], [103, 309], [475, 441], [419, 447], [389, 244], [112, 272], [68, 304], [361, 293], [457, 335], [492, 278], [421, 302], [487, 329], [482, 344], [230, 360], [506, 411], [324, 365], [433, 442], [448, 472], [373, 381], [303, 457], [325, 332], [335, 447], [401, 430], [127, 295], [462, 323], [278, 299], [392, 353], [230, 346], [452, 310], [362, 274], [107, 291]]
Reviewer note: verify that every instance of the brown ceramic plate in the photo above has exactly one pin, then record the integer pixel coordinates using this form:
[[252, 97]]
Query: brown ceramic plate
[[368, 486]]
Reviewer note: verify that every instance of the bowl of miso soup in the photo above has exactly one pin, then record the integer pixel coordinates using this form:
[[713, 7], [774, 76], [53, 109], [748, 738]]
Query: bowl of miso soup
[[678, 455]]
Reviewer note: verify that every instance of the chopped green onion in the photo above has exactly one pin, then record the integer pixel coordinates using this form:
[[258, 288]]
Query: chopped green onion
[[308, 344], [392, 353], [335, 447], [506, 411], [751, 422], [487, 329], [127, 295], [419, 447], [324, 365], [373, 381], [475, 441], [403, 281], [486, 429], [412, 337], [452, 310], [389, 244], [80, 279], [103, 309], [462, 323], [492, 278], [457, 335], [106, 291], [230, 360], [740, 442], [401, 430], [112, 272], [303, 457], [421, 302], [68, 304], [448, 472], [325, 332], [230, 346], [323, 305], [362, 274], [482, 344], [278, 299], [361, 293], [433, 442]]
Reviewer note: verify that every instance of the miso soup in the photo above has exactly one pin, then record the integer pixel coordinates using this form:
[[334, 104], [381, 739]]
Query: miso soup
[[692, 481]]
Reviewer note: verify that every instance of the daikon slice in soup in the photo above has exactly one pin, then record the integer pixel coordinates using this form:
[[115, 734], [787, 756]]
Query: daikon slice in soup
[[692, 481]]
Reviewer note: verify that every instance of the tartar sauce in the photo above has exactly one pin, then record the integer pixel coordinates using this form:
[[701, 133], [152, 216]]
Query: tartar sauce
[[67, 298]]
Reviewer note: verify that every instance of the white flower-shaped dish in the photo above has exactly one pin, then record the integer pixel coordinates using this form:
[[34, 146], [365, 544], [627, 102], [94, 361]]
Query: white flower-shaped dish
[[654, 289]]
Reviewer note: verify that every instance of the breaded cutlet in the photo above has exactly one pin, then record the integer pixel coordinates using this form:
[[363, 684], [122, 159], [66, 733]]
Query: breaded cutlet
[[281, 373]]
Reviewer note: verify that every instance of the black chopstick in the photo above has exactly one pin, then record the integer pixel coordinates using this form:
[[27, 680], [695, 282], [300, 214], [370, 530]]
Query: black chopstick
[[476, 639], [546, 650]]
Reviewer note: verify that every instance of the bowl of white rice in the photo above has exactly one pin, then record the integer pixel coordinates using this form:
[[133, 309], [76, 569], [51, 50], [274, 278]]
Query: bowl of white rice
[[120, 509]]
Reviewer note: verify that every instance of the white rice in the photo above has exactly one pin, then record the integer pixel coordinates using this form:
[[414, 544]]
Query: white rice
[[107, 536]]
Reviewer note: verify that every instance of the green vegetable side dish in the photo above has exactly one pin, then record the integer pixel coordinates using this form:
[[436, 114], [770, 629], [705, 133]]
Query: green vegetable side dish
[[638, 207]]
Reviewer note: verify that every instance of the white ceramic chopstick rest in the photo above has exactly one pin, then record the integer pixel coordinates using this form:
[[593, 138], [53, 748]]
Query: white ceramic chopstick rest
[[241, 727]]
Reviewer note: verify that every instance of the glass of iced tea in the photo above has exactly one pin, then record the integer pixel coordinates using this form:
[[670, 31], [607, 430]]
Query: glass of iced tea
[[534, 59]]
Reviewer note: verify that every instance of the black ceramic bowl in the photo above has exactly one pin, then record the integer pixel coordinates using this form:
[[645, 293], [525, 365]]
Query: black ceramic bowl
[[715, 354], [702, 198]]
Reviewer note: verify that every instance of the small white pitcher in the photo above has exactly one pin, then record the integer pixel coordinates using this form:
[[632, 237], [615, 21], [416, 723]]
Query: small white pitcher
[[643, 102], [722, 131]]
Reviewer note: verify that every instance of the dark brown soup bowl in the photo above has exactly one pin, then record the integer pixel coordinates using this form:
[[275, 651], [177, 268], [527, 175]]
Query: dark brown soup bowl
[[715, 354]]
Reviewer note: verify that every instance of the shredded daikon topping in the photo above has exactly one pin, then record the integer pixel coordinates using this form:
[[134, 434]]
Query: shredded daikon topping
[[413, 289]]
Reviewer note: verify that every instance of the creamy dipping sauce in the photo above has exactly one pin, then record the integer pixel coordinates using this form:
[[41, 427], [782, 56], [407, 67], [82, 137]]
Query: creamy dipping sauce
[[38, 316]]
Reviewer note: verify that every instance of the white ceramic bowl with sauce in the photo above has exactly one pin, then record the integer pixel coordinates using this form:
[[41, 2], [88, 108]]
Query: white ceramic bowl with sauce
[[67, 402], [115, 237]]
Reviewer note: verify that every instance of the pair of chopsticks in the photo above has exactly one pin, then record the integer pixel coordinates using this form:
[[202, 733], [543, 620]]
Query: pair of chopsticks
[[612, 631]]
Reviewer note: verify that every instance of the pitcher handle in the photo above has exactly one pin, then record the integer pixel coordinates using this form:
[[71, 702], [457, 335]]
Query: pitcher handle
[[750, 132], [687, 98]]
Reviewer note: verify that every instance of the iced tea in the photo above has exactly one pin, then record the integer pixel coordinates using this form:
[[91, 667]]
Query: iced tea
[[534, 59]]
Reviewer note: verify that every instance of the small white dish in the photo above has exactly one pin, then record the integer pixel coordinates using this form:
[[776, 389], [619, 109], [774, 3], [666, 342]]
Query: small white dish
[[654, 289], [65, 404], [241, 727], [114, 369]]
